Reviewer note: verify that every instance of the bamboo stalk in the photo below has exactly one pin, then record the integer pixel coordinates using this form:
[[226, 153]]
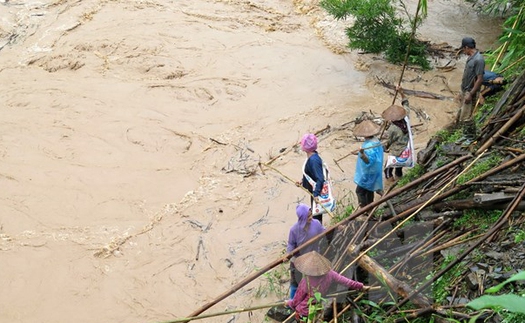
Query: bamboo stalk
[[457, 189], [240, 310], [304, 189], [295, 145], [450, 244], [514, 63], [501, 130], [353, 152], [417, 249], [504, 49]]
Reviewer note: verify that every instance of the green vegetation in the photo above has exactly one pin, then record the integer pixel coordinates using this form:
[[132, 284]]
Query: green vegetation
[[510, 306], [522, 133], [378, 29], [412, 174], [482, 219], [485, 110], [519, 237], [509, 56], [315, 308], [273, 283], [442, 284], [449, 136], [338, 217], [482, 166]]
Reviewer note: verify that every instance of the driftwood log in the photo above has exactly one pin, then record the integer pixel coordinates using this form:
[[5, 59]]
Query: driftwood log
[[420, 94], [399, 287]]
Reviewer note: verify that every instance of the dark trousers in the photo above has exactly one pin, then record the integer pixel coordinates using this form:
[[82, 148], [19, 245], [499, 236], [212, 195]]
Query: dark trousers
[[364, 196], [389, 171], [295, 275]]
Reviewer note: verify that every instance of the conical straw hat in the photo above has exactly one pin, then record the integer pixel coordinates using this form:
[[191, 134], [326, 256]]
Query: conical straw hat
[[313, 264], [394, 113], [366, 128]]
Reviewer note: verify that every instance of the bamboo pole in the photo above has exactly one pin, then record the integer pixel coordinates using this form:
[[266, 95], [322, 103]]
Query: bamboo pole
[[300, 186], [414, 252], [240, 310], [502, 130], [504, 48], [450, 244], [353, 152], [516, 62], [295, 145], [413, 33], [399, 287]]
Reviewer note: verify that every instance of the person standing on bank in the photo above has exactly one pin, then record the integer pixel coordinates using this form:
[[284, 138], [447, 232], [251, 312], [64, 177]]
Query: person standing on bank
[[313, 168], [303, 230], [369, 167], [472, 78], [397, 134]]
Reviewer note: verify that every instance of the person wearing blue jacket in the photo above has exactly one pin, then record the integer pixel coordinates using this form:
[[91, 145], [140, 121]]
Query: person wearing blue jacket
[[369, 167]]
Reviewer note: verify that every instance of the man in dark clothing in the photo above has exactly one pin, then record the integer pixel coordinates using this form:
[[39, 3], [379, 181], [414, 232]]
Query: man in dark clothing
[[472, 78]]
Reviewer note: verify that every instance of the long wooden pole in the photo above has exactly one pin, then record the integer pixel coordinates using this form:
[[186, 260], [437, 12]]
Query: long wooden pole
[[240, 310], [413, 32], [506, 45], [304, 189], [353, 152], [502, 130]]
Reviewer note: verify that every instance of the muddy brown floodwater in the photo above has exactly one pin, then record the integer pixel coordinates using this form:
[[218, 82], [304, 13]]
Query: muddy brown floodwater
[[131, 132]]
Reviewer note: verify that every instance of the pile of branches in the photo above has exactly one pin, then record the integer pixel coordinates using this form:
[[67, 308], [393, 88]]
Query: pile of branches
[[411, 230]]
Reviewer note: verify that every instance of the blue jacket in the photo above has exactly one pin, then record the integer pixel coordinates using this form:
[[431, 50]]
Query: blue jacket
[[370, 176], [314, 169]]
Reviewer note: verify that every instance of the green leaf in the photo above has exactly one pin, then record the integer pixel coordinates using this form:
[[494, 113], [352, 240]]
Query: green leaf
[[510, 302], [370, 303], [495, 289]]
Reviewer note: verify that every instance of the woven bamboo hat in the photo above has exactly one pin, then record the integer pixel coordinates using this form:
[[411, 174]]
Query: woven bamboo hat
[[366, 128], [313, 264], [394, 113]]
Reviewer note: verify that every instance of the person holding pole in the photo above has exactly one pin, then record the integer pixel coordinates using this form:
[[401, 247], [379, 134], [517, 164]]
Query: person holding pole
[[398, 143], [313, 168], [318, 277], [369, 167]]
